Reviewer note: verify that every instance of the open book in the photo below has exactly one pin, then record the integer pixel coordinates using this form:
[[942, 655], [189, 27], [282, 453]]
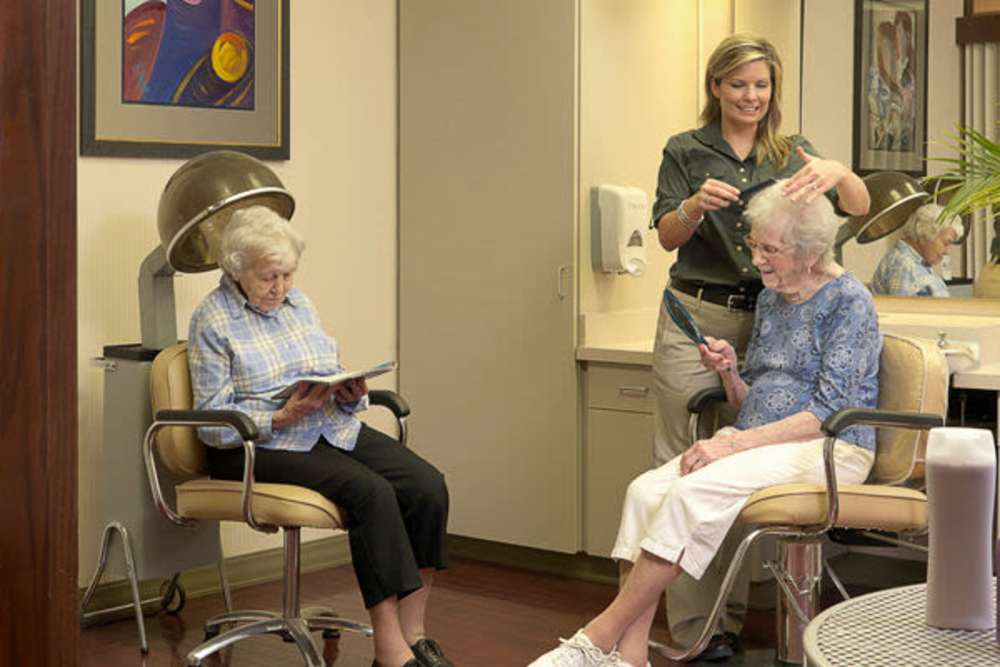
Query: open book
[[374, 371]]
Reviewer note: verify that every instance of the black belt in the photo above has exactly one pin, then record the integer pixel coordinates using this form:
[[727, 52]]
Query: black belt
[[741, 297]]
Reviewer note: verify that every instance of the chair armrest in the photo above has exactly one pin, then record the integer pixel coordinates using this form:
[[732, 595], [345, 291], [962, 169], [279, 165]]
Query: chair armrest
[[389, 399], [841, 419], [845, 417], [233, 419], [700, 401], [239, 421], [396, 404]]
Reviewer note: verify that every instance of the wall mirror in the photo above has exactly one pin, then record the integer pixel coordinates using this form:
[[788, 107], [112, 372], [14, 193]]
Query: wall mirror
[[829, 78]]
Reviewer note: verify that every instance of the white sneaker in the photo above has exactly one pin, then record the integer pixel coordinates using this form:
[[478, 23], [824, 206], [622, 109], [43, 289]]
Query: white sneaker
[[577, 651], [614, 659]]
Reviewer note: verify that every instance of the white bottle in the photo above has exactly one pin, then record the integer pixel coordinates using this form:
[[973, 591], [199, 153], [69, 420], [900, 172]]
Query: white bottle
[[961, 490]]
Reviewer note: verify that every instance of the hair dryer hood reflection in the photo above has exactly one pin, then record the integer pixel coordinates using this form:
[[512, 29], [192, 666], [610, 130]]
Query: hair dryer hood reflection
[[620, 221]]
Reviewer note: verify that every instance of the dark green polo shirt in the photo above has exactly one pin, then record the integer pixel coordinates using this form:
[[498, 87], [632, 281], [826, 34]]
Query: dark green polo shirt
[[716, 254]]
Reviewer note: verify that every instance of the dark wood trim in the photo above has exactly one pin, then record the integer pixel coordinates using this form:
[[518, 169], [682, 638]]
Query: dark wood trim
[[39, 622], [977, 28]]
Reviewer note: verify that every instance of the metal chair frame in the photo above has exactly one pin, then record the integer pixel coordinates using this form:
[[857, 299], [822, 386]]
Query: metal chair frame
[[292, 622], [798, 569]]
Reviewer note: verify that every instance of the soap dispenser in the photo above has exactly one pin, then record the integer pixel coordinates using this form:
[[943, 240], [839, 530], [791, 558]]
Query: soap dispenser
[[620, 220]]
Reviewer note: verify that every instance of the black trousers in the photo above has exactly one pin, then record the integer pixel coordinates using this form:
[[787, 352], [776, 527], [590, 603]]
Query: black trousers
[[396, 504]]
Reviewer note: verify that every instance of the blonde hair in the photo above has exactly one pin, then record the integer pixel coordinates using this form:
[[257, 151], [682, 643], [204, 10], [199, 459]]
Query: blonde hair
[[734, 52], [259, 233]]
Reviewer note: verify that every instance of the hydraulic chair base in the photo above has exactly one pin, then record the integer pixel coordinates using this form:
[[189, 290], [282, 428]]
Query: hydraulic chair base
[[798, 573], [291, 623]]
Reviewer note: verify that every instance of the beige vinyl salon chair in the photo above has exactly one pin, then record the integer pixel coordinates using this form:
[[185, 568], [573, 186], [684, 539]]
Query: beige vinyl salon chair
[[172, 442], [888, 507]]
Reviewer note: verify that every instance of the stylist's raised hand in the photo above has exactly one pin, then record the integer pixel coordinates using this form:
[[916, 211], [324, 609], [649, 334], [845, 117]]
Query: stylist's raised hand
[[711, 196], [717, 355], [813, 179], [308, 398]]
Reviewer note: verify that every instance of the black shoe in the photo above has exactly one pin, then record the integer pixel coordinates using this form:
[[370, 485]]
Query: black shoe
[[720, 647], [429, 654]]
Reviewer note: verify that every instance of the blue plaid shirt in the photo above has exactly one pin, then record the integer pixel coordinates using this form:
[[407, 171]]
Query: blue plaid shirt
[[903, 272], [239, 356]]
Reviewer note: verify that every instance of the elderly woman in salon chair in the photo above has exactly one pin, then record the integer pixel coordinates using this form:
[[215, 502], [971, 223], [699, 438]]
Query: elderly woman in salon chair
[[253, 335], [815, 349], [907, 269]]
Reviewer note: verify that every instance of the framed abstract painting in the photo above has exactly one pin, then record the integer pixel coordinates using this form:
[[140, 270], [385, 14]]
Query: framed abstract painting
[[174, 78], [890, 86]]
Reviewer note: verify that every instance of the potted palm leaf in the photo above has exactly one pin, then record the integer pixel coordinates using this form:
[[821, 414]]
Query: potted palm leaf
[[972, 183]]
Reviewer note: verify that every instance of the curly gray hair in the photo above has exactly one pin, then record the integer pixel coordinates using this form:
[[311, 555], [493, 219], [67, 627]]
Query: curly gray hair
[[809, 228], [923, 224], [255, 233]]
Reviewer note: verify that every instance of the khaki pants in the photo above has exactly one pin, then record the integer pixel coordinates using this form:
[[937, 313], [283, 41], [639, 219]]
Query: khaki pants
[[677, 375]]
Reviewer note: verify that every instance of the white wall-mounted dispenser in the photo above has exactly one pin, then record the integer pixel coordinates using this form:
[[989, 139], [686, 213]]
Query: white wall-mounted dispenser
[[620, 217]]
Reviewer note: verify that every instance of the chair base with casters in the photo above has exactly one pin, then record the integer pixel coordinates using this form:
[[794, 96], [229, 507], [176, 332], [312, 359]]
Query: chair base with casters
[[884, 509], [291, 623], [171, 442]]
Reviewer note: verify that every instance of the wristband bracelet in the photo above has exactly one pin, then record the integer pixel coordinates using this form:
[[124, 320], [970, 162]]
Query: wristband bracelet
[[686, 219]]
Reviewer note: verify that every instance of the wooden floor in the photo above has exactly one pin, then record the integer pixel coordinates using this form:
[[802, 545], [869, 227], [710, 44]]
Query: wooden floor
[[483, 615]]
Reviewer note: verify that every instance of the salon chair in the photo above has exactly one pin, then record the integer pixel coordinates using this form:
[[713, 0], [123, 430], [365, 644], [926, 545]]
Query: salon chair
[[889, 507], [172, 443]]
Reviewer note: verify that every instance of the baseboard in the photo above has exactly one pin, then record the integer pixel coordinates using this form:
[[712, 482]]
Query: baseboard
[[570, 566], [242, 571]]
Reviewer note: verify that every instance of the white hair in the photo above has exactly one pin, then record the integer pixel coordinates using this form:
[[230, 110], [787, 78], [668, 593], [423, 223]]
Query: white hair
[[809, 228], [259, 233], [925, 224]]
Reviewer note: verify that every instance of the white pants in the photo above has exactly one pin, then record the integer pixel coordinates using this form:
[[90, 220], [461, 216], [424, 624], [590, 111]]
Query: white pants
[[684, 519]]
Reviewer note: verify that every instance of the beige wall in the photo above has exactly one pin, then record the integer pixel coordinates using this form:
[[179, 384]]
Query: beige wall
[[641, 68], [827, 93], [343, 174]]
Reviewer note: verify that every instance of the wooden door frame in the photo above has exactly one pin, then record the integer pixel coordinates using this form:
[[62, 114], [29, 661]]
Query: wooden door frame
[[39, 619]]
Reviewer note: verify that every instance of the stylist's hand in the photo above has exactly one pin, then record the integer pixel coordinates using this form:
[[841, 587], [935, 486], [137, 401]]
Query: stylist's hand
[[717, 355], [350, 391], [308, 398], [703, 452], [813, 179], [711, 196]]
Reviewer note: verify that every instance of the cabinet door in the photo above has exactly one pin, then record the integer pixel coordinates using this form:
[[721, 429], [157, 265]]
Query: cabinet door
[[619, 446], [487, 193]]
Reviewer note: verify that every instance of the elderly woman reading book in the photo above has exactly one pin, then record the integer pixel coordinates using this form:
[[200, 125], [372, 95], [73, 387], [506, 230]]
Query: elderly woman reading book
[[255, 334]]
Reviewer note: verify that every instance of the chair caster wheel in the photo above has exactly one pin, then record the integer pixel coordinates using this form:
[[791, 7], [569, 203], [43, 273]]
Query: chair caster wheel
[[287, 638], [211, 633], [331, 634]]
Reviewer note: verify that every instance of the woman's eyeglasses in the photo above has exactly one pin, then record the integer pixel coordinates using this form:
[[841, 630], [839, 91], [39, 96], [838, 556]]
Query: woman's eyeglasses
[[766, 250]]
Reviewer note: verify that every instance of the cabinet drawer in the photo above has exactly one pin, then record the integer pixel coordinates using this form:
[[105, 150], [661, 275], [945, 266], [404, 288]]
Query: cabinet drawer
[[620, 387]]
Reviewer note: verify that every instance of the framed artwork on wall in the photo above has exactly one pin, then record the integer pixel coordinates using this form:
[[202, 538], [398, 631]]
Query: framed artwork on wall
[[890, 86], [174, 78]]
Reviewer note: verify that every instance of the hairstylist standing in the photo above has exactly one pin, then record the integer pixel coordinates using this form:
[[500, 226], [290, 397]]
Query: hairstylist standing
[[698, 212]]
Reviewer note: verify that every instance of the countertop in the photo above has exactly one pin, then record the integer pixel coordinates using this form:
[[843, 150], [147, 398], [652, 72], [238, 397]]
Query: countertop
[[637, 353]]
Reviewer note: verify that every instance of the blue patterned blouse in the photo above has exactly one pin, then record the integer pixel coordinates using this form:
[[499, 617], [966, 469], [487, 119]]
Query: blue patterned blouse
[[903, 272], [817, 356], [240, 356]]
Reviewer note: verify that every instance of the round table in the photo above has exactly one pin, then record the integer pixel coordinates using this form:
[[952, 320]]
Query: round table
[[889, 629]]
